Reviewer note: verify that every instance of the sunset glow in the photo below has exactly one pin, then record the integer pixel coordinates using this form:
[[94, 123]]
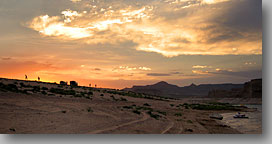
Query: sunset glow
[[123, 43]]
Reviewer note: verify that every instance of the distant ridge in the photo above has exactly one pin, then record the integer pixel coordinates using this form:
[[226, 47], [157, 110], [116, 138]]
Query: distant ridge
[[165, 89]]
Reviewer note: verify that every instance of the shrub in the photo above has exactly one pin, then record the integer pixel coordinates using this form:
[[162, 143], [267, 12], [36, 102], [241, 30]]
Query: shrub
[[78, 95], [188, 130], [90, 93], [146, 104], [101, 94], [189, 121], [178, 114], [123, 99], [44, 88], [127, 107], [44, 92], [9, 87], [155, 116], [89, 109], [36, 88], [136, 111], [23, 85], [63, 111], [171, 105], [212, 107], [161, 112], [62, 91], [12, 129]]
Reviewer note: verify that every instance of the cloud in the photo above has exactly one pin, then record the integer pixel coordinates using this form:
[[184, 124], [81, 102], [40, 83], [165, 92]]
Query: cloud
[[170, 27], [158, 74], [199, 66], [75, 1], [247, 74], [127, 68], [6, 58], [164, 74], [200, 72]]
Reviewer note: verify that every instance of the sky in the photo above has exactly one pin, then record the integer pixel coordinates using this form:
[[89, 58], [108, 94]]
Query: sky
[[121, 43]]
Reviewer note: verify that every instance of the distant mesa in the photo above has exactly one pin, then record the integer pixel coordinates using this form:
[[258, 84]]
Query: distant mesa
[[173, 91], [251, 89]]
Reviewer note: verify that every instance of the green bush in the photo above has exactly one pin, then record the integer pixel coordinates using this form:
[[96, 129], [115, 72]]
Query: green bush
[[36, 88], [44, 92], [123, 99], [62, 91], [146, 104], [155, 116], [212, 107], [127, 107], [136, 111], [178, 114], [89, 109], [44, 88], [161, 112], [9, 87]]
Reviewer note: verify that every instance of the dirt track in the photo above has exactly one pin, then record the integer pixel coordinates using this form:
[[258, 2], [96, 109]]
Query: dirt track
[[38, 113]]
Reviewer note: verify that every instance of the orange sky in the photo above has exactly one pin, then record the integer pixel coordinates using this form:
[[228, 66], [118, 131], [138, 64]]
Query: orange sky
[[122, 43]]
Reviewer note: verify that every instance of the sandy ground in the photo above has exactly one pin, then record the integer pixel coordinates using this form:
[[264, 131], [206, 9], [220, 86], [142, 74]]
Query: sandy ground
[[38, 113]]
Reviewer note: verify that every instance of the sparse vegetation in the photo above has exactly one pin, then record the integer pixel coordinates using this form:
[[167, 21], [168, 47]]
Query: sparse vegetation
[[89, 109], [146, 104], [128, 107], [62, 91], [44, 92], [90, 93], [172, 105], [188, 130], [36, 88], [12, 129], [212, 107], [101, 94], [178, 114], [155, 116], [136, 95], [136, 111], [161, 112], [189, 121], [44, 88], [123, 99], [63, 111]]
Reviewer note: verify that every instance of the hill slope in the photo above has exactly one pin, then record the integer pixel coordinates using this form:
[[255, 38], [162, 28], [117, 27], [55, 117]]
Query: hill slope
[[168, 90]]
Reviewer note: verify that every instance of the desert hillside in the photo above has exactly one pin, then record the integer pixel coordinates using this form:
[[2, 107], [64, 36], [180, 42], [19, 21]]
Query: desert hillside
[[38, 107]]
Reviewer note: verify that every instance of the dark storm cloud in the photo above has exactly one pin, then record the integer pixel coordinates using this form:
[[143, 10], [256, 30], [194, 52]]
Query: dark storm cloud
[[244, 15]]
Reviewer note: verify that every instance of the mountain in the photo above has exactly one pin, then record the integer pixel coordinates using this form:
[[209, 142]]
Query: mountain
[[251, 89], [169, 90]]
